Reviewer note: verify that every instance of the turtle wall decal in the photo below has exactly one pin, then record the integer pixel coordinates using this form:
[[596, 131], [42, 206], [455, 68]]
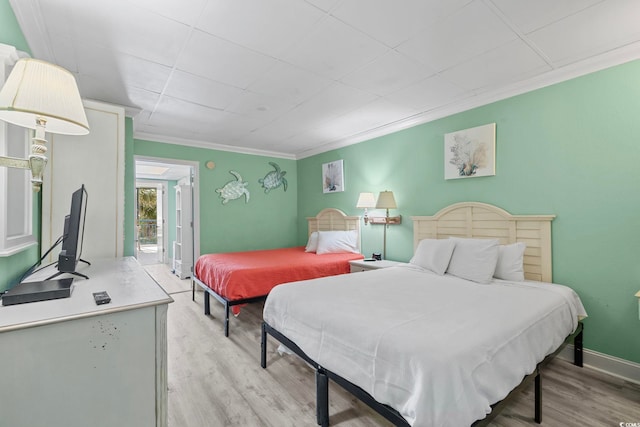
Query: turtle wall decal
[[234, 189], [273, 179]]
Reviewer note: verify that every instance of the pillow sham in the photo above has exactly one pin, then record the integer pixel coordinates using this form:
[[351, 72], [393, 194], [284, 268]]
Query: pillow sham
[[433, 254], [312, 243], [474, 259], [335, 242], [510, 262]]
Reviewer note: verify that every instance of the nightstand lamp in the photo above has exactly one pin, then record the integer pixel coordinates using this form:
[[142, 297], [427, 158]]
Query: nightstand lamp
[[39, 95], [365, 201], [387, 201]]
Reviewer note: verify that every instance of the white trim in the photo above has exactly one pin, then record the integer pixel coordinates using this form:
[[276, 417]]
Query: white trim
[[610, 365], [19, 248], [211, 145], [196, 193]]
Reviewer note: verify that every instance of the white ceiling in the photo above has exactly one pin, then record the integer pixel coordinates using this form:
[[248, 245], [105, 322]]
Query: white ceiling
[[292, 78]]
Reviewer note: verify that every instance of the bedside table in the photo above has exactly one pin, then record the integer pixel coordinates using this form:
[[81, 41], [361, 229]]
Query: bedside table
[[359, 265]]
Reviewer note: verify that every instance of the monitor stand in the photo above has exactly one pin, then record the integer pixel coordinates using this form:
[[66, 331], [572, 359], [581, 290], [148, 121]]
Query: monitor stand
[[75, 273]]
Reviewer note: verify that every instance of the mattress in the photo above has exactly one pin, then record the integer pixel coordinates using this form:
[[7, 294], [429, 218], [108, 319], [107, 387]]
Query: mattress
[[438, 349], [240, 275]]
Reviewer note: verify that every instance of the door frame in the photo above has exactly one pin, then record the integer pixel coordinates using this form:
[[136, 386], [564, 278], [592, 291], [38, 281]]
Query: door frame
[[195, 193], [161, 192]]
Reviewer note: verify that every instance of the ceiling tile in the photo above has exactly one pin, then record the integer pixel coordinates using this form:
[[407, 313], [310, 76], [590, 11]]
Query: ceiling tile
[[388, 73], [184, 11], [471, 31], [120, 68], [529, 15], [333, 49], [289, 83], [199, 90], [257, 105], [393, 23], [216, 59], [590, 31], [134, 32], [506, 64], [254, 27], [325, 5], [427, 94]]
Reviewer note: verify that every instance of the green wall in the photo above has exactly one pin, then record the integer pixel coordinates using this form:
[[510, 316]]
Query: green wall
[[266, 221], [569, 149]]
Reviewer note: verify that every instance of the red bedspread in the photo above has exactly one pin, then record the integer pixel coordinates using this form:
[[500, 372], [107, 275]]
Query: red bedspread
[[239, 275]]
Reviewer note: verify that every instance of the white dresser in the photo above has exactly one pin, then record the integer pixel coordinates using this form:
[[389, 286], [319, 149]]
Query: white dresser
[[72, 363]]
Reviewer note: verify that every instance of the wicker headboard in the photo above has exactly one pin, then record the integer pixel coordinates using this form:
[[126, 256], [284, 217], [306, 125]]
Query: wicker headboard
[[481, 220], [331, 219]]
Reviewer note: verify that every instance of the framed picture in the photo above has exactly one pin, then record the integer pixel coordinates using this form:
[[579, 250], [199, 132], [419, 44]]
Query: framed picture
[[332, 177], [470, 153]]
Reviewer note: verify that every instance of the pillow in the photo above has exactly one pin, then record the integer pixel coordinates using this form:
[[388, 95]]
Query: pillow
[[474, 259], [312, 244], [433, 254], [510, 259], [335, 242]]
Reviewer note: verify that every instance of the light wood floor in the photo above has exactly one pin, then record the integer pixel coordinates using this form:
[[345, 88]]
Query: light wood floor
[[217, 381]]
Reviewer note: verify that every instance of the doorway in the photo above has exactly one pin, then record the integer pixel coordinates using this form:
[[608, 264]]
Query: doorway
[[155, 209]]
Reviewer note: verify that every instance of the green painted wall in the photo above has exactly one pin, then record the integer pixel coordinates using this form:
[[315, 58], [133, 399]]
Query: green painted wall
[[12, 267], [10, 32], [266, 221], [568, 149]]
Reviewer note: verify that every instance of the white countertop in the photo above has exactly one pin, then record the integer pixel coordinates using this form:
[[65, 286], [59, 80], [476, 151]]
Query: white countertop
[[126, 282]]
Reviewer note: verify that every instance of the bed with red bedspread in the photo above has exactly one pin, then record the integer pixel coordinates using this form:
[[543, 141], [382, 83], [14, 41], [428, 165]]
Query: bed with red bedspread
[[237, 278]]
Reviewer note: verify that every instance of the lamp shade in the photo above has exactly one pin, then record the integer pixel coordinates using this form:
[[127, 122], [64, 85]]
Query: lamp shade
[[386, 200], [366, 200], [37, 89]]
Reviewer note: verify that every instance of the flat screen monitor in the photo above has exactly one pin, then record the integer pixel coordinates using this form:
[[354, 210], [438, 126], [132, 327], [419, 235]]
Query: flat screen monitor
[[72, 238]]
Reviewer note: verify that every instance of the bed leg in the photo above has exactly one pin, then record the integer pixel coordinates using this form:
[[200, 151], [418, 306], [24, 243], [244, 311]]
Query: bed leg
[[577, 348], [538, 398], [207, 306], [193, 290], [322, 397], [226, 319], [263, 347]]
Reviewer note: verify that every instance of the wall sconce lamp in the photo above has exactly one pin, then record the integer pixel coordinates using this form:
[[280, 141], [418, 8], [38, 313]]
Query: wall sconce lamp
[[386, 201], [45, 97], [365, 201]]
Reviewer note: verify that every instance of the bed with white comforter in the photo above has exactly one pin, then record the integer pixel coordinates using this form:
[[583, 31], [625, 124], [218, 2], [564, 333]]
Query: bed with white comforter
[[437, 348]]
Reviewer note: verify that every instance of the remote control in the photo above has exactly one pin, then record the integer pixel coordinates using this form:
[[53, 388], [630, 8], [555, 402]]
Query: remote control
[[101, 297]]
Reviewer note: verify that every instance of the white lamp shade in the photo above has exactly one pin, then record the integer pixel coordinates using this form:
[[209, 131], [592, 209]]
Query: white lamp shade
[[38, 89], [386, 200], [366, 200]]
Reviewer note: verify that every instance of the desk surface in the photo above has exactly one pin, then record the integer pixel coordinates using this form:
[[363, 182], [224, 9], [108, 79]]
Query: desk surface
[[126, 282]]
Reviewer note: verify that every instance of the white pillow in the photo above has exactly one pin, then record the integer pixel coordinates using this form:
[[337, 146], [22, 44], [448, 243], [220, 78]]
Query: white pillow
[[510, 260], [335, 242], [433, 254], [474, 259], [312, 244]]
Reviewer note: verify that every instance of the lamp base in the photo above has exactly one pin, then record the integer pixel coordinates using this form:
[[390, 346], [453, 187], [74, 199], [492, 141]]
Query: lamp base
[[383, 220]]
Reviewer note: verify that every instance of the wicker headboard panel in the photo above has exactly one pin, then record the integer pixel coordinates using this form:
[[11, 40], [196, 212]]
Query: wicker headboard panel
[[331, 219], [481, 220]]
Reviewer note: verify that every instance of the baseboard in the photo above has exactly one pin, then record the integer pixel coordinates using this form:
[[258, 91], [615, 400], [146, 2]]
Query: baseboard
[[611, 365]]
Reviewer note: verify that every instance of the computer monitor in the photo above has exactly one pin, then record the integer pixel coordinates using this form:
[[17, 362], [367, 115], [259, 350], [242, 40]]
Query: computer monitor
[[73, 234]]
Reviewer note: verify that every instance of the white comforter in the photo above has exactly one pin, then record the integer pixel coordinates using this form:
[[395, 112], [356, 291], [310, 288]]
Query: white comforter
[[438, 349]]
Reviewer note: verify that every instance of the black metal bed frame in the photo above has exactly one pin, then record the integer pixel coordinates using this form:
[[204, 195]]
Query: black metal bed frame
[[323, 375], [225, 301]]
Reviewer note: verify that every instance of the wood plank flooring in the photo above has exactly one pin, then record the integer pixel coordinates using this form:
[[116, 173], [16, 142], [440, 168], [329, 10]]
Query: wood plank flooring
[[217, 381]]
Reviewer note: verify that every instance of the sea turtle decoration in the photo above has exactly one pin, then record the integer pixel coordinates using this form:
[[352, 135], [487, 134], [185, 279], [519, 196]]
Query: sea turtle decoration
[[273, 179], [234, 189]]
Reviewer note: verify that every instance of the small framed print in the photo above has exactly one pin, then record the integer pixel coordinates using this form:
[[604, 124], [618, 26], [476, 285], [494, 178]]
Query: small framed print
[[470, 153], [332, 177]]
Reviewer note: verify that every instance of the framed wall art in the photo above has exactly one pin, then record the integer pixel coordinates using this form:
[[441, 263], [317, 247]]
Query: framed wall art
[[332, 177], [470, 153]]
